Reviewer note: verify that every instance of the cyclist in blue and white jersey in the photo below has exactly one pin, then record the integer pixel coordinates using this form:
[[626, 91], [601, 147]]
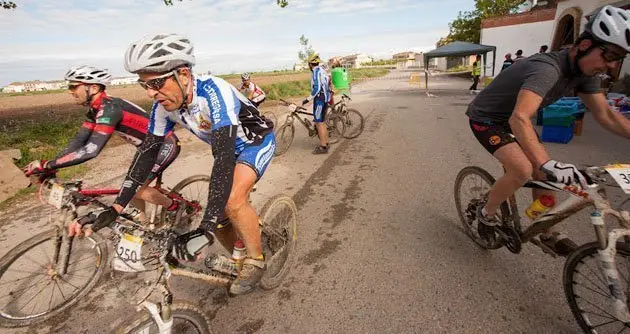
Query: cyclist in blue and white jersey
[[320, 95], [242, 141]]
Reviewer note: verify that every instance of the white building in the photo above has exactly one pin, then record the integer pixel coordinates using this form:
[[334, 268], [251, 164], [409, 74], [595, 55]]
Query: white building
[[123, 81], [355, 60], [556, 23], [14, 87]]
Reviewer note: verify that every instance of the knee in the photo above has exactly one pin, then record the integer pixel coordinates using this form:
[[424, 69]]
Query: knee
[[521, 174]]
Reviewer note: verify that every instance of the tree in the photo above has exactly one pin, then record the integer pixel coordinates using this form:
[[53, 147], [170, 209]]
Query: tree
[[8, 4], [467, 26], [307, 50]]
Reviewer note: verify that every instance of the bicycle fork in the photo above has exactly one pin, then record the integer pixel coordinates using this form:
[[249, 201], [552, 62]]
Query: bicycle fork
[[607, 253]]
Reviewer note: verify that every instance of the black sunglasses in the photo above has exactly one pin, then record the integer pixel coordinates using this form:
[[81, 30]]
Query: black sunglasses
[[74, 86], [156, 83], [611, 56]]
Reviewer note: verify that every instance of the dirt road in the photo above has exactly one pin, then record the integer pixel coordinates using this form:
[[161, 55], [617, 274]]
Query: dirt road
[[380, 245]]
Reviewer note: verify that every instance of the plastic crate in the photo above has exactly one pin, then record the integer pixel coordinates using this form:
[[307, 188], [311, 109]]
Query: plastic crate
[[558, 121], [561, 109], [557, 134]]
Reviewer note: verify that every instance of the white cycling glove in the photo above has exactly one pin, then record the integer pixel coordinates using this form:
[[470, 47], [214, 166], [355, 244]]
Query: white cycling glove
[[564, 173]]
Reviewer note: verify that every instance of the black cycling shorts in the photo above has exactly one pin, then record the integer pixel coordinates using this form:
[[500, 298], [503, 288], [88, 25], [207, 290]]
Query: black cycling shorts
[[492, 137]]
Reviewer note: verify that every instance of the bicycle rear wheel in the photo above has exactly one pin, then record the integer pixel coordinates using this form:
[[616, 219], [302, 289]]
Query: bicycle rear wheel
[[587, 292], [32, 290], [187, 319], [354, 122], [476, 183], [193, 189], [284, 138], [279, 239]]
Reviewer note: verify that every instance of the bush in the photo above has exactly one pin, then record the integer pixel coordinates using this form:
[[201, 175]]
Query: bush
[[44, 140], [283, 90]]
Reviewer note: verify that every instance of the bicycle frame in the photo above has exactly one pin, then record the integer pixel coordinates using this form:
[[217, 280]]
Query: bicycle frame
[[593, 195]]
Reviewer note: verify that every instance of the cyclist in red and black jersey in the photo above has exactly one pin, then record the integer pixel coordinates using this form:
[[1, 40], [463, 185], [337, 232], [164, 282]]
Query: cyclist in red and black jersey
[[107, 115]]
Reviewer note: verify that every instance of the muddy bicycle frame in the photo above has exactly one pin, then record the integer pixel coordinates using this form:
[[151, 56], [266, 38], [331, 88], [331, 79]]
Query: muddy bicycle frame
[[295, 114], [592, 195]]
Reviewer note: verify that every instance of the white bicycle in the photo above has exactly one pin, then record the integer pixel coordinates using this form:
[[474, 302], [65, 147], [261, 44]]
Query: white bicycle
[[597, 274]]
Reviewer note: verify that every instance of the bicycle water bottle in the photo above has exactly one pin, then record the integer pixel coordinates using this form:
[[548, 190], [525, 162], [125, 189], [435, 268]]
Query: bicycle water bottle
[[540, 206], [239, 253], [310, 125]]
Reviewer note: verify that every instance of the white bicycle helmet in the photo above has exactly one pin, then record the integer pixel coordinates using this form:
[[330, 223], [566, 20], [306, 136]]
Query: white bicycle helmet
[[88, 75], [159, 53], [611, 25], [245, 76]]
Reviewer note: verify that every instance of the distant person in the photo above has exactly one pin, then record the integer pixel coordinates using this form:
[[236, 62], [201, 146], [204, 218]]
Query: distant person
[[476, 73], [251, 90], [519, 55], [507, 62], [320, 95], [543, 49], [105, 116]]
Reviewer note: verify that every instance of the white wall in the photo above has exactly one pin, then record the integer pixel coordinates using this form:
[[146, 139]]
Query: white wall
[[527, 37]]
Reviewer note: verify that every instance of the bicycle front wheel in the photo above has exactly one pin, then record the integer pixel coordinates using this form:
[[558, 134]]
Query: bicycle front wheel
[[354, 123], [336, 128], [284, 138], [33, 290], [187, 319], [587, 292], [471, 187]]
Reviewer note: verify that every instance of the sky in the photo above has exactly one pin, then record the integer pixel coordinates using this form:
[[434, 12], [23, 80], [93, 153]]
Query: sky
[[42, 39]]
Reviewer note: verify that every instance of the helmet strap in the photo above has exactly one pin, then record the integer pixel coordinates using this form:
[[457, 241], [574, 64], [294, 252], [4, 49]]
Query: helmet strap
[[184, 91], [88, 96]]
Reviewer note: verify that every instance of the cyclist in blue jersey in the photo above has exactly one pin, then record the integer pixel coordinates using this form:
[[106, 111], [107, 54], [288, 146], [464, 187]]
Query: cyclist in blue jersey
[[242, 143], [320, 95]]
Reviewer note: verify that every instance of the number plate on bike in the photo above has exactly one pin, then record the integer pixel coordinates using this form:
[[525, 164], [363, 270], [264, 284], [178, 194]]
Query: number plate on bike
[[621, 174], [129, 254], [56, 196]]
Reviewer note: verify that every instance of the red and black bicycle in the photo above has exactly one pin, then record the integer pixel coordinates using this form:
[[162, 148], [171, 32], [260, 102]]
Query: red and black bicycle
[[48, 273]]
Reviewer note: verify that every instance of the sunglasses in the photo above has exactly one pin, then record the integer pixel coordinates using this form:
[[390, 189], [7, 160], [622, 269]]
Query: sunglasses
[[156, 83], [611, 56], [74, 86]]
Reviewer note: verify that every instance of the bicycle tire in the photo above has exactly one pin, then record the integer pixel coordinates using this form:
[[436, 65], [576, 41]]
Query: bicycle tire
[[336, 128], [179, 311], [576, 257], [284, 143], [503, 208], [183, 184], [274, 276], [29, 244], [352, 131]]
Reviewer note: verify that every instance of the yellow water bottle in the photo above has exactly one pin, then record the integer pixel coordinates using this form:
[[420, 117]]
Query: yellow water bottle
[[540, 206]]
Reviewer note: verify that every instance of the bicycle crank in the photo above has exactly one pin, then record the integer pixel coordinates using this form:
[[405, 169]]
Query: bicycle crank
[[512, 239]]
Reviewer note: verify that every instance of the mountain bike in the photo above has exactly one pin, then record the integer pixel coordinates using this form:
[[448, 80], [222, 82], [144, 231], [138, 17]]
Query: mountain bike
[[352, 118], [285, 132], [49, 272], [590, 271]]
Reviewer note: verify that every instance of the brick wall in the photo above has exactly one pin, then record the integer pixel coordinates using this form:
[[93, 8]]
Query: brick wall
[[527, 17]]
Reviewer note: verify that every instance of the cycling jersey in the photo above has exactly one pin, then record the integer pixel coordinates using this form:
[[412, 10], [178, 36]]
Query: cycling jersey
[[107, 115], [320, 84], [549, 75], [215, 104], [222, 117], [258, 94]]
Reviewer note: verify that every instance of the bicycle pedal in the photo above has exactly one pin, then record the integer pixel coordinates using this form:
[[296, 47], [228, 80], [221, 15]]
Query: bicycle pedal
[[543, 247]]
